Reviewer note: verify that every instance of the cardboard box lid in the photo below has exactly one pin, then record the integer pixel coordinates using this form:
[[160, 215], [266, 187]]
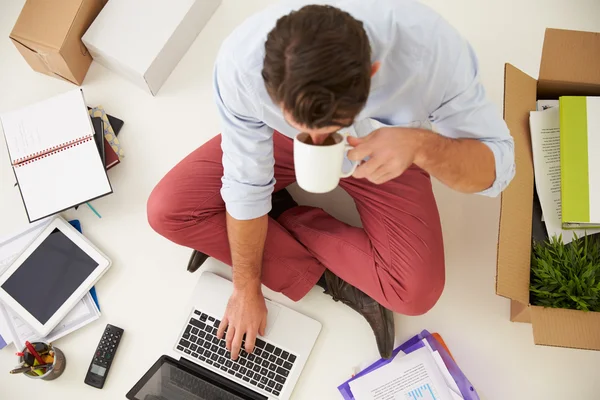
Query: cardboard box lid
[[136, 45], [516, 209], [566, 328], [570, 63], [44, 22]]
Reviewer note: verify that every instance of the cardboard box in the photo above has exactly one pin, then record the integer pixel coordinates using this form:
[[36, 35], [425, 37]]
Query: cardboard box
[[570, 66], [143, 40], [48, 35]]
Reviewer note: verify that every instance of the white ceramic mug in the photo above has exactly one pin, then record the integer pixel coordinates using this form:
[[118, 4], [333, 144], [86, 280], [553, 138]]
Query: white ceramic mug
[[319, 168]]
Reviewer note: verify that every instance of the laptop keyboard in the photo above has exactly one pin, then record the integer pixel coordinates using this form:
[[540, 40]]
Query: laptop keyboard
[[267, 368]]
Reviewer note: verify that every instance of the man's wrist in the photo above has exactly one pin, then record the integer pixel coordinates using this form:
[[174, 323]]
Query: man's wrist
[[421, 142], [247, 285]]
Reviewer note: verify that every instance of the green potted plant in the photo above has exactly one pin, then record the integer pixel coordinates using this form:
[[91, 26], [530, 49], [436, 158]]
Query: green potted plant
[[566, 275]]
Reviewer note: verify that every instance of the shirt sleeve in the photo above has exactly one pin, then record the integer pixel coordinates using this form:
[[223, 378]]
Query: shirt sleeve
[[465, 112], [247, 144]]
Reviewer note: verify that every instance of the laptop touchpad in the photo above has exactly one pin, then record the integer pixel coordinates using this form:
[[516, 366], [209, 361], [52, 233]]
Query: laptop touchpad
[[273, 313]]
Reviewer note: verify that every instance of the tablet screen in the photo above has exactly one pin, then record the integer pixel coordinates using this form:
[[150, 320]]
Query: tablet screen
[[49, 276]]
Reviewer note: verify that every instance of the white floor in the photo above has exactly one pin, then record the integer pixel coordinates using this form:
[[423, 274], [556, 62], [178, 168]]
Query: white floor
[[147, 287]]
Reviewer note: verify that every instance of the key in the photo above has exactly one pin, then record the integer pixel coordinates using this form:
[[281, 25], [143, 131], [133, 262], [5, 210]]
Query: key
[[271, 375], [257, 352], [277, 352], [203, 317], [271, 384], [206, 345], [265, 363], [194, 347], [276, 392], [227, 354], [195, 331], [217, 323], [215, 340], [292, 358], [246, 379], [196, 323], [249, 374], [221, 352], [279, 362], [184, 343], [188, 329], [261, 386], [239, 376], [256, 368], [214, 348], [250, 365], [285, 355], [264, 380], [283, 372], [202, 334], [214, 357], [180, 348], [273, 367], [278, 387], [243, 370], [263, 371], [243, 361], [221, 360], [280, 379], [186, 335], [251, 357], [254, 383], [272, 358], [268, 389], [187, 351], [224, 368], [269, 347], [231, 371], [287, 365], [260, 343], [228, 363], [236, 367]]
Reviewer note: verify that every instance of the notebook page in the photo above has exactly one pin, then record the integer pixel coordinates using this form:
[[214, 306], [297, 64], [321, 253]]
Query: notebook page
[[39, 127], [62, 180]]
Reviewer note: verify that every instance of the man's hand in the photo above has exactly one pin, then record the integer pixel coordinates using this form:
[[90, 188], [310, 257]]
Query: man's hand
[[391, 152], [246, 314]]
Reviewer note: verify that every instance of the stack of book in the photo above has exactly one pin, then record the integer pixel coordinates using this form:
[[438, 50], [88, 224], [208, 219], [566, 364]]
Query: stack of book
[[60, 150], [565, 139]]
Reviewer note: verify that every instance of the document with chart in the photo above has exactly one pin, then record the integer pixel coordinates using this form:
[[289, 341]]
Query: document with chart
[[414, 376]]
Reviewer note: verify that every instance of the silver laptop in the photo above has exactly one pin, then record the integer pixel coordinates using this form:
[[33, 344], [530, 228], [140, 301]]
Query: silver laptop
[[274, 366]]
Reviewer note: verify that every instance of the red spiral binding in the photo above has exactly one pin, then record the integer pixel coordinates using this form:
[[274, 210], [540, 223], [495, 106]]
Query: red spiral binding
[[48, 152]]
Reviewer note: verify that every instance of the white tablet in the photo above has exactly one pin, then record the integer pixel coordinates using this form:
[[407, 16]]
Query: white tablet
[[48, 279]]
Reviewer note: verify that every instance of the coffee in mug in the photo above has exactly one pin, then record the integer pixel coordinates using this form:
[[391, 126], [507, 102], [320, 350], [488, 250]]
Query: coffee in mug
[[319, 167]]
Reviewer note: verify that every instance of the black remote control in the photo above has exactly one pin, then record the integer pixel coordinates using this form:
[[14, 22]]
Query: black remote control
[[103, 357]]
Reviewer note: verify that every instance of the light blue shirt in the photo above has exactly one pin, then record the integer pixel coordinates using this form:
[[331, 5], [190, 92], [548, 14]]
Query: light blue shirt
[[428, 75]]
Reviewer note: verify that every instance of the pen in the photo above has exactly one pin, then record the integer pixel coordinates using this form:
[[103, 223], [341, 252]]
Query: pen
[[33, 352], [20, 370], [94, 210]]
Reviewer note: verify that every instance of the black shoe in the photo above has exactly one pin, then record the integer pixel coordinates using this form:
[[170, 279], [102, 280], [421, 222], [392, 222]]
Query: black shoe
[[379, 318], [281, 202], [196, 261]]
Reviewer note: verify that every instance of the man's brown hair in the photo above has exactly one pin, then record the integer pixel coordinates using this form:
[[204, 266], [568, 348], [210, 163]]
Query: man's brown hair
[[318, 66]]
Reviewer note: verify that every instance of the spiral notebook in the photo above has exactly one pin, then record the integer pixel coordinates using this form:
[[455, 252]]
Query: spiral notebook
[[54, 156]]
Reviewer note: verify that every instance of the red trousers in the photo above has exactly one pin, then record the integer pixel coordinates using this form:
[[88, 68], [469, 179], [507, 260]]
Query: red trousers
[[397, 258]]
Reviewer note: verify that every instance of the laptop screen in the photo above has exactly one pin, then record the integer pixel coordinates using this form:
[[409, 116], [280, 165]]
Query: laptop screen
[[169, 380]]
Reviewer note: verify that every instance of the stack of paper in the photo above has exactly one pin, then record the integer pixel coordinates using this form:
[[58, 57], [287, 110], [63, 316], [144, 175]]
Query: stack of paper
[[420, 369], [546, 146], [12, 328]]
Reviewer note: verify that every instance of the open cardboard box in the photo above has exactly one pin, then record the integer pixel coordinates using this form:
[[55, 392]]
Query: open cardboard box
[[570, 66]]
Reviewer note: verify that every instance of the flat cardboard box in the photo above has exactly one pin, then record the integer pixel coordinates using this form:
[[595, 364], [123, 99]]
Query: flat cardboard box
[[570, 65], [48, 35], [143, 40]]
